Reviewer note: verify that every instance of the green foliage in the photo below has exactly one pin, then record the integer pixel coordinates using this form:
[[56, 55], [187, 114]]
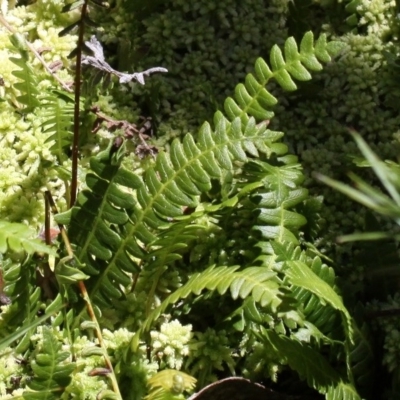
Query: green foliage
[[253, 99], [18, 238], [58, 112], [204, 235], [367, 195], [301, 276], [28, 89], [169, 384], [252, 280], [388, 206], [51, 369], [308, 362], [27, 328]]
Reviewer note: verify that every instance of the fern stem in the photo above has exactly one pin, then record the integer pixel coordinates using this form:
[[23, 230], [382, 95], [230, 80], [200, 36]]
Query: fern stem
[[83, 290], [36, 54], [99, 336], [78, 73], [67, 243]]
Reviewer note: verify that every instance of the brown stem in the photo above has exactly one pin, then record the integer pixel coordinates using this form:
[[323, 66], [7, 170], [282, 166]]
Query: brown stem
[[99, 336], [78, 73]]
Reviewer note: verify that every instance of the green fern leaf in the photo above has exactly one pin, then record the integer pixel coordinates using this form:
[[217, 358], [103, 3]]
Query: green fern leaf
[[309, 364], [362, 360], [342, 391], [169, 384], [323, 317], [25, 329], [302, 276], [281, 193], [18, 237], [176, 181], [259, 282], [20, 287], [51, 370], [58, 112], [28, 86], [252, 99], [105, 203]]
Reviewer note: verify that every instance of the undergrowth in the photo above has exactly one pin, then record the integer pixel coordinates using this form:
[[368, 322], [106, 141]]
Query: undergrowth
[[169, 265]]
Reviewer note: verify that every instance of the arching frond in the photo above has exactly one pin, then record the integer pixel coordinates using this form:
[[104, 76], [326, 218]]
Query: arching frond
[[253, 99], [259, 282]]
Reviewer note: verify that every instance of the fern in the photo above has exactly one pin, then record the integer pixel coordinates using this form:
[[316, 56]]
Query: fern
[[174, 182], [58, 111], [168, 384], [362, 359], [126, 226], [342, 391], [281, 193], [179, 177], [253, 99], [301, 275], [20, 277], [323, 318], [105, 203], [25, 329], [311, 365], [52, 371], [18, 238], [28, 86], [260, 282]]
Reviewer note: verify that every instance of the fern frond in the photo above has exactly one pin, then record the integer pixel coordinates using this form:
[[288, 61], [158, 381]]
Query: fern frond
[[19, 280], [253, 99], [29, 327], [310, 365], [18, 237], [281, 193], [362, 360], [52, 373], [179, 177], [58, 112], [175, 182], [181, 233], [168, 384], [28, 86], [104, 204], [322, 317], [259, 282], [301, 275], [342, 391]]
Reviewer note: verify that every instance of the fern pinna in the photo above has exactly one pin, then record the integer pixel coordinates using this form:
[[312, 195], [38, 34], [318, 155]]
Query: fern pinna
[[219, 210]]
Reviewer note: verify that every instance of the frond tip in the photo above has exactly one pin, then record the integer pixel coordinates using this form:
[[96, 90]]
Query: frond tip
[[253, 99]]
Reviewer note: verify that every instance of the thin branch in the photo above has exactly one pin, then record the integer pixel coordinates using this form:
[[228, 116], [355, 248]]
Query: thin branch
[[78, 73], [35, 52], [130, 129]]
